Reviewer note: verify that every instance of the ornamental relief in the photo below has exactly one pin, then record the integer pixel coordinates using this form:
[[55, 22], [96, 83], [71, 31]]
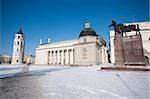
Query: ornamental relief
[[84, 53]]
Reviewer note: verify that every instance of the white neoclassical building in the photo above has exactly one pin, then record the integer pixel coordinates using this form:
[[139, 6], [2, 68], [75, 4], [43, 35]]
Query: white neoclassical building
[[18, 48], [145, 32], [88, 49]]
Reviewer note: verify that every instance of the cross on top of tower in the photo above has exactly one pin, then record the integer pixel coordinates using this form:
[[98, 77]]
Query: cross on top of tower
[[20, 31]]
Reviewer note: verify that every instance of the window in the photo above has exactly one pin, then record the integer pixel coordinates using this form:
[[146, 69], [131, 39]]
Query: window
[[18, 43], [18, 37], [17, 61], [17, 50], [21, 44]]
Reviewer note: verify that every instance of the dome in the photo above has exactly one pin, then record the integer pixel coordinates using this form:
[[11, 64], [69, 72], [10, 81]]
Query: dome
[[87, 31]]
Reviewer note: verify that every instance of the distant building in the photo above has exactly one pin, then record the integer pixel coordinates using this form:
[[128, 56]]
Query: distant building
[[32, 58], [5, 59], [88, 49], [18, 48], [145, 32]]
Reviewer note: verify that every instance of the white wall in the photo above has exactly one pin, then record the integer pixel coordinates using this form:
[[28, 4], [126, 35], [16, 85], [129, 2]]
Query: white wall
[[88, 57], [41, 57]]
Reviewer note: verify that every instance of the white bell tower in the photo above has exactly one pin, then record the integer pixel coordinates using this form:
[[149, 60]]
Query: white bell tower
[[18, 48]]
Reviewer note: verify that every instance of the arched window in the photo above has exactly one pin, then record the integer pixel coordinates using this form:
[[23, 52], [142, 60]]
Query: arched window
[[18, 43]]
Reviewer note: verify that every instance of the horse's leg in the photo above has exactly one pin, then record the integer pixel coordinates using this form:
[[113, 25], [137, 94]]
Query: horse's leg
[[136, 32]]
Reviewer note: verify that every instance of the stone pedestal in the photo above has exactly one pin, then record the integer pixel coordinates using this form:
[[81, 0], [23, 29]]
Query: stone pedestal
[[119, 57], [129, 50]]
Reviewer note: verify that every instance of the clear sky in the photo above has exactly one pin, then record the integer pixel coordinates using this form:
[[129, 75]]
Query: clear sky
[[63, 19]]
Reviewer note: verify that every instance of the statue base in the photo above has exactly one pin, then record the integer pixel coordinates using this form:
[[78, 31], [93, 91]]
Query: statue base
[[129, 50]]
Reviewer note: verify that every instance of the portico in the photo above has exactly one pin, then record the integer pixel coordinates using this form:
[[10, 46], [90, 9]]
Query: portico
[[61, 57]]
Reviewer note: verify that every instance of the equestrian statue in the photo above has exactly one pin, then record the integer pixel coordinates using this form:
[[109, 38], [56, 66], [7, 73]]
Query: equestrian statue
[[121, 28]]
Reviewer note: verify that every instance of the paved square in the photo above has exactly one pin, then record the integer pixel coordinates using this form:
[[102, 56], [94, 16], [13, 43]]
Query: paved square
[[65, 82]]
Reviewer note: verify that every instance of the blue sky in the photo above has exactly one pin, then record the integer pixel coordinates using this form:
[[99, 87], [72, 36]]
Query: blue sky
[[63, 19]]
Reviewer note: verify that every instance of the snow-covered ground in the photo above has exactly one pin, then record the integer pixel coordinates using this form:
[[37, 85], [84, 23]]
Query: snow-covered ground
[[66, 82]]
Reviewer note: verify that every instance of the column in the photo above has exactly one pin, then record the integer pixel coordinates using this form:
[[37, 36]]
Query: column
[[62, 57], [102, 50], [58, 57], [66, 57], [50, 57], [71, 57], [100, 54], [54, 57], [106, 57], [73, 51], [49, 61]]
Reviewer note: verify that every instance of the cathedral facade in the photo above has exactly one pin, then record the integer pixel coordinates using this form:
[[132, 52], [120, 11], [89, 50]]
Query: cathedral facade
[[88, 49]]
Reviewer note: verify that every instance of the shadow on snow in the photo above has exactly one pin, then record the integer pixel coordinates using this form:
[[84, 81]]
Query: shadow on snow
[[25, 72]]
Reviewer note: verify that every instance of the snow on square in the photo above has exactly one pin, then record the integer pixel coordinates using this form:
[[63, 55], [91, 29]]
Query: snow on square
[[67, 82]]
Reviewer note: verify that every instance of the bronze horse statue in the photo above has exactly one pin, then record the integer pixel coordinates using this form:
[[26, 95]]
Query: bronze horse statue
[[121, 28]]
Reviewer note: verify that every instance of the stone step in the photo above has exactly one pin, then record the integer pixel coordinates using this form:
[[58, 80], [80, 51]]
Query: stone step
[[126, 68]]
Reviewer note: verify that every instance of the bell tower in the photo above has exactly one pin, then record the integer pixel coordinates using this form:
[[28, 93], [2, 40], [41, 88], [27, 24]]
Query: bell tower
[[18, 48]]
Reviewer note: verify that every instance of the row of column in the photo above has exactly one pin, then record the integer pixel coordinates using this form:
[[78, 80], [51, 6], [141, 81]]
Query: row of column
[[61, 57]]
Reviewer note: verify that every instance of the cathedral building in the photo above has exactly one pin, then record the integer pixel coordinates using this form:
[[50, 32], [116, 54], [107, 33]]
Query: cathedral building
[[88, 49], [18, 48]]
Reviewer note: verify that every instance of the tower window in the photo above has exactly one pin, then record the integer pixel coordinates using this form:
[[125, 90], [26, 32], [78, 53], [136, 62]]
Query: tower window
[[18, 42], [17, 50], [21, 44], [18, 37]]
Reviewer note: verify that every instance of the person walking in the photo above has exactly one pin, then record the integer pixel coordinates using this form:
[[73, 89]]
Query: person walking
[[26, 67]]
